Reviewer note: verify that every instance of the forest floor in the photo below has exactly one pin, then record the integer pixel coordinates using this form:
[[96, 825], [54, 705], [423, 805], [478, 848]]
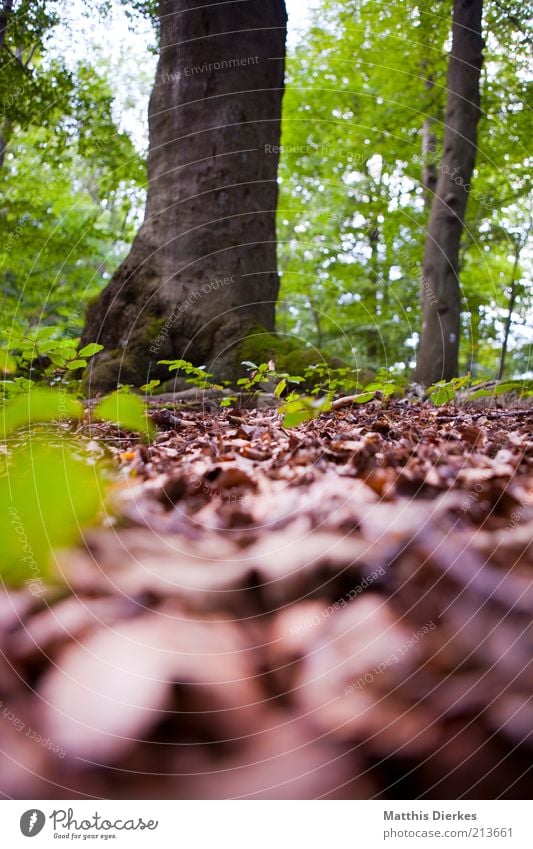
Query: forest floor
[[341, 610]]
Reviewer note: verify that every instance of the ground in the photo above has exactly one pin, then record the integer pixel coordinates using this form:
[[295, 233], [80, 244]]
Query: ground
[[341, 610]]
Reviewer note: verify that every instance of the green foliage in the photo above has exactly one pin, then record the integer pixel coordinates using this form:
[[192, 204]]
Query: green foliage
[[196, 375], [125, 410], [228, 401], [38, 406], [72, 184], [332, 380], [49, 495], [352, 214], [42, 355], [258, 375], [149, 387], [297, 410], [446, 391]]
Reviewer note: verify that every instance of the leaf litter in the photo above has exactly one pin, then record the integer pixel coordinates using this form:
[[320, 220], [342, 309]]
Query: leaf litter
[[338, 610]]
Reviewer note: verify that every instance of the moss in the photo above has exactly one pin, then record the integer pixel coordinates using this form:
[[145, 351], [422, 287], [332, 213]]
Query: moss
[[289, 354], [151, 329]]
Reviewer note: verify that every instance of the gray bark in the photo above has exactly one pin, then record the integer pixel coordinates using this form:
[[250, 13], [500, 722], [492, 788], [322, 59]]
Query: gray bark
[[440, 294], [202, 270]]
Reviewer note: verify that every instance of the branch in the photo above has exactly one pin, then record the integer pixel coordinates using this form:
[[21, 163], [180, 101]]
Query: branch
[[514, 20]]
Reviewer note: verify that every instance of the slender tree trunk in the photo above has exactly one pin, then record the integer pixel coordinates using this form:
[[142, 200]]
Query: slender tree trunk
[[473, 354], [429, 148], [318, 325], [3, 146], [440, 295], [508, 320], [202, 270], [372, 336], [518, 246]]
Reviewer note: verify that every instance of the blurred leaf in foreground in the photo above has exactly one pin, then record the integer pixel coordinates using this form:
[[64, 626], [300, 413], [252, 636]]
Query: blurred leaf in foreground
[[49, 496], [125, 410], [38, 405]]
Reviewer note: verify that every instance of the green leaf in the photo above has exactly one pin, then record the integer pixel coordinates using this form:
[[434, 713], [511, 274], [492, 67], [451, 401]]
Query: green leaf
[[443, 396], [303, 409], [38, 405], [74, 364], [7, 363], [124, 410], [228, 401], [148, 387], [279, 388], [90, 350], [502, 388], [48, 496], [480, 393], [44, 333], [175, 364], [296, 417]]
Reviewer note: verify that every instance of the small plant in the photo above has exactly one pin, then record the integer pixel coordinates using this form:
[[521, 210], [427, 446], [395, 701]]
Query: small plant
[[302, 408], [266, 373], [327, 380], [41, 355], [229, 400], [148, 388], [196, 375], [125, 410], [445, 391], [523, 388]]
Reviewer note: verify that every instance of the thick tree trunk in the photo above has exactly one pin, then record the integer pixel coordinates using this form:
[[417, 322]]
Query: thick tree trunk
[[202, 270], [439, 343]]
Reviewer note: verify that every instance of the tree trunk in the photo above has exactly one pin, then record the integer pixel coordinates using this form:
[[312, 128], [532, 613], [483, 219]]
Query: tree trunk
[[519, 244], [5, 11], [472, 361], [202, 270], [373, 332], [507, 330], [440, 296], [429, 148]]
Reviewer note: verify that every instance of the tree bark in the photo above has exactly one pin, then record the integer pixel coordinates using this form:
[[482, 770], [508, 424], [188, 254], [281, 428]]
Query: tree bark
[[519, 244], [5, 11], [507, 330], [202, 269], [429, 148], [440, 294], [373, 333]]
